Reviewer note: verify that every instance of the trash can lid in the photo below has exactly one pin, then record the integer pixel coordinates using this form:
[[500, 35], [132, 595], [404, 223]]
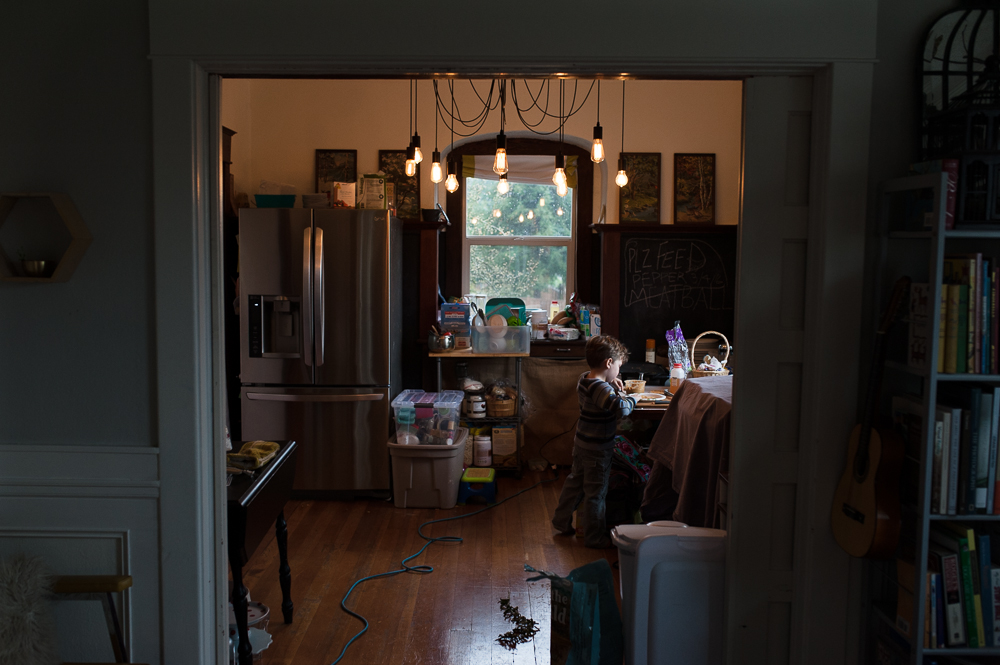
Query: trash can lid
[[628, 536]]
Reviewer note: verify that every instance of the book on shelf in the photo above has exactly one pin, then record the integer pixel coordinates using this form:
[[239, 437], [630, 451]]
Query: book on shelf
[[943, 328], [993, 420], [995, 602], [984, 319], [956, 327], [942, 428], [930, 625], [939, 610], [951, 582], [994, 321], [965, 537], [983, 550], [949, 166], [967, 269], [985, 471], [969, 399]]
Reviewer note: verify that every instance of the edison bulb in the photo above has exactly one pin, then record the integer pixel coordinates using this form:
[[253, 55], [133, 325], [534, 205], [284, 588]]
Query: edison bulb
[[436, 174], [597, 151], [417, 155], [621, 179], [451, 184], [559, 212], [520, 218], [562, 189], [503, 186], [541, 202], [559, 178], [531, 214], [496, 213], [500, 162], [411, 167]]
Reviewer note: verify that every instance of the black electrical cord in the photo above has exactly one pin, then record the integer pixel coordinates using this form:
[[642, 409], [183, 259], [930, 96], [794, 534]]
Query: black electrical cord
[[404, 568], [548, 462]]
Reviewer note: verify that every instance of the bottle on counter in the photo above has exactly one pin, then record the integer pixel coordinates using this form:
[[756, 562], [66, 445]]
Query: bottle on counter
[[676, 376], [651, 350], [554, 309], [483, 450]]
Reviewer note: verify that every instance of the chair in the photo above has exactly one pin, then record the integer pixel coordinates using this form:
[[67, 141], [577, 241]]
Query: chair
[[98, 587]]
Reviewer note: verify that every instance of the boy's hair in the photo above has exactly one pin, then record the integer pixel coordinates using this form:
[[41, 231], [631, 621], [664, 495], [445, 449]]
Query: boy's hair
[[602, 348]]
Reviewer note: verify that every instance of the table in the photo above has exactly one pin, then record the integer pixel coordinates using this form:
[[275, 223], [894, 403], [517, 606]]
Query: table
[[651, 410], [253, 504]]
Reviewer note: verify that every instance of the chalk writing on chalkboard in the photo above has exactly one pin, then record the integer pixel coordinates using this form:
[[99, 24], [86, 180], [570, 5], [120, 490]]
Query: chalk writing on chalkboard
[[675, 274]]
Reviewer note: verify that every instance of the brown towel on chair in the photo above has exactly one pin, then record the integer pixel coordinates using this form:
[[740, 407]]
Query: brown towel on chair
[[693, 442]]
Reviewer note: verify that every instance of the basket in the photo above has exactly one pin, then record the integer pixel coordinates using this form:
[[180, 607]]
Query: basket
[[501, 408], [697, 373]]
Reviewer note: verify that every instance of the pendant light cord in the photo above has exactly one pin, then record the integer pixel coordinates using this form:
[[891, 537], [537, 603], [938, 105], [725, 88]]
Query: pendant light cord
[[598, 102], [623, 116]]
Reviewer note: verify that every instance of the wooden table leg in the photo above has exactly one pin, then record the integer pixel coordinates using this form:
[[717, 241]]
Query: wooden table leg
[[240, 604], [284, 572]]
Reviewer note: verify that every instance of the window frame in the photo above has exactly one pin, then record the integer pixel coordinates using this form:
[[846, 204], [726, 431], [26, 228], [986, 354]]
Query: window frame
[[569, 242], [583, 264]]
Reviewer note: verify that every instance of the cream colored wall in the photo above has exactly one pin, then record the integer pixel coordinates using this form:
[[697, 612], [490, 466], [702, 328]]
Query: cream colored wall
[[281, 122]]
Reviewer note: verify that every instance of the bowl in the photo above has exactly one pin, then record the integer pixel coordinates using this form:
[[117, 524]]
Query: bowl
[[635, 386], [274, 200], [437, 343]]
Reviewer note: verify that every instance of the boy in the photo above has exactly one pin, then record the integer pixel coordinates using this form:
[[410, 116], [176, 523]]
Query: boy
[[602, 402]]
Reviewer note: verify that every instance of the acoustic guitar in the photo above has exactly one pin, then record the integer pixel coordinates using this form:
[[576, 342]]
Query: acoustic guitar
[[865, 514]]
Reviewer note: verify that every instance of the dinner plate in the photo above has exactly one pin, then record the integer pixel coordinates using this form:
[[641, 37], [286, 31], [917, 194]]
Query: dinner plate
[[650, 397]]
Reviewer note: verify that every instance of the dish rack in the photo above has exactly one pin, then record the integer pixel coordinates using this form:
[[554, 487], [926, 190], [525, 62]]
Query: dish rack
[[697, 373]]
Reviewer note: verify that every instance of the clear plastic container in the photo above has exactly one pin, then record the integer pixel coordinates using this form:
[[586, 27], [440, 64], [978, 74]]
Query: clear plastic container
[[507, 339], [434, 416]]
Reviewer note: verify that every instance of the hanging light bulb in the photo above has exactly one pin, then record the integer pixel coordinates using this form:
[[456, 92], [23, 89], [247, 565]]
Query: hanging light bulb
[[417, 155], [622, 178], [559, 212], [451, 184], [541, 202], [562, 189], [496, 212], [597, 148], [503, 186], [531, 214], [559, 177], [500, 159], [520, 218], [436, 174], [411, 164]]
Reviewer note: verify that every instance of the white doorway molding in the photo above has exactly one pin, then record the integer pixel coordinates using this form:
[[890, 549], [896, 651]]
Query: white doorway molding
[[820, 596]]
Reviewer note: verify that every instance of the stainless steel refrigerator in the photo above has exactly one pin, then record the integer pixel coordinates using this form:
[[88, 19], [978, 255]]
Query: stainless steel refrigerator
[[320, 328]]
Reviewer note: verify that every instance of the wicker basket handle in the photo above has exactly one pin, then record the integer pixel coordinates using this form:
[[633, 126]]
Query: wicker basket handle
[[694, 365]]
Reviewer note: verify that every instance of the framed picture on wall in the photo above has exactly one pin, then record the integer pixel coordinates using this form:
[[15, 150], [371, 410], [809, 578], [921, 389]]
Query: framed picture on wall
[[406, 189], [694, 188], [639, 200], [335, 166]]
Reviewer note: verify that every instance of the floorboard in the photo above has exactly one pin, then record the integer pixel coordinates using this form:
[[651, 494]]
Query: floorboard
[[449, 616]]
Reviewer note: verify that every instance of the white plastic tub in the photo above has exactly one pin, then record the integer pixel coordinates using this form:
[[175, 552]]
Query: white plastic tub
[[427, 476]]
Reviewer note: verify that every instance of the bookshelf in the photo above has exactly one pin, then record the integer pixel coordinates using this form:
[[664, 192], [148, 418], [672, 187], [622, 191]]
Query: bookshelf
[[917, 244]]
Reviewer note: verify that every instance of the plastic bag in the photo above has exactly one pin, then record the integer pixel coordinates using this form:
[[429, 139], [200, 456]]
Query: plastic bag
[[586, 624], [677, 348]]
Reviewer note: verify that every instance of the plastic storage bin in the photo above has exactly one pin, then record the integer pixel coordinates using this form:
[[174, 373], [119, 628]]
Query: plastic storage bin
[[428, 418], [672, 579], [506, 339], [427, 476]]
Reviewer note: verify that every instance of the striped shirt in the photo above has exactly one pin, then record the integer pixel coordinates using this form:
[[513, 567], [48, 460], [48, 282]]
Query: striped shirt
[[600, 408]]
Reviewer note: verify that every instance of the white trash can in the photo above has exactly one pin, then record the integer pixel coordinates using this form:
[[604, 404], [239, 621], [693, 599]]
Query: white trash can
[[672, 585]]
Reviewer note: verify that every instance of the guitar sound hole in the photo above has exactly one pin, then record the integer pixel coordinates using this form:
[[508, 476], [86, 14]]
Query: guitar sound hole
[[855, 515]]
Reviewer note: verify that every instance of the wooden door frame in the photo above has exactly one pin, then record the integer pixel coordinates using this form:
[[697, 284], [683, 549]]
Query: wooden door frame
[[584, 279], [189, 351]]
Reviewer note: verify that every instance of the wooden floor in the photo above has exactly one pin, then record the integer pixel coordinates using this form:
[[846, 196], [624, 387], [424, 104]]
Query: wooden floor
[[448, 616]]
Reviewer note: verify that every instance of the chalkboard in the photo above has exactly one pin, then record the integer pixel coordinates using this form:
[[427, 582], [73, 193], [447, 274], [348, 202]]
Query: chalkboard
[[686, 277]]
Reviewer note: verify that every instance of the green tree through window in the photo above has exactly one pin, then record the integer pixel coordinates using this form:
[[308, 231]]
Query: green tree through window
[[519, 242]]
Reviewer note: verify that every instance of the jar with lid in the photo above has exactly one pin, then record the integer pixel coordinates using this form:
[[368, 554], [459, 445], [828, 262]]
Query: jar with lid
[[676, 376], [483, 450], [651, 350]]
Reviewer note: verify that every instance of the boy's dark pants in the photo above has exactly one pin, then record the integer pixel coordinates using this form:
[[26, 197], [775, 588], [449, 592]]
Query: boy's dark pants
[[587, 482]]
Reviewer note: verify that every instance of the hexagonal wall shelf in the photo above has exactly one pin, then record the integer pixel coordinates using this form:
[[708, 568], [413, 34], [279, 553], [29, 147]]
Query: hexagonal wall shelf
[[79, 236]]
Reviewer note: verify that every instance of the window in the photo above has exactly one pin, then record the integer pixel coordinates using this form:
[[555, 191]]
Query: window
[[519, 244]]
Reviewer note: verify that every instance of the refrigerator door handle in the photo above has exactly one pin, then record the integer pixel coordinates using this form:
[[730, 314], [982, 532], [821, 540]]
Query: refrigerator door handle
[[307, 289], [319, 307], [282, 397]]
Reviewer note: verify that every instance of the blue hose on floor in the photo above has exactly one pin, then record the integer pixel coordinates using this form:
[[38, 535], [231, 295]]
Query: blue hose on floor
[[422, 568]]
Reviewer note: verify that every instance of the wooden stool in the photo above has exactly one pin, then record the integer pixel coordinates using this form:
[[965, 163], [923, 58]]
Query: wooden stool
[[99, 587], [477, 482]]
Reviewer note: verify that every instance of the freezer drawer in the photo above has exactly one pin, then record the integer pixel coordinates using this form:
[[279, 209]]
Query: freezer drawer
[[341, 433]]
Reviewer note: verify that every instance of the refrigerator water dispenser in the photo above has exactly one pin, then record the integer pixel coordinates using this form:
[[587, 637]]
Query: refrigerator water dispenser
[[275, 327]]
